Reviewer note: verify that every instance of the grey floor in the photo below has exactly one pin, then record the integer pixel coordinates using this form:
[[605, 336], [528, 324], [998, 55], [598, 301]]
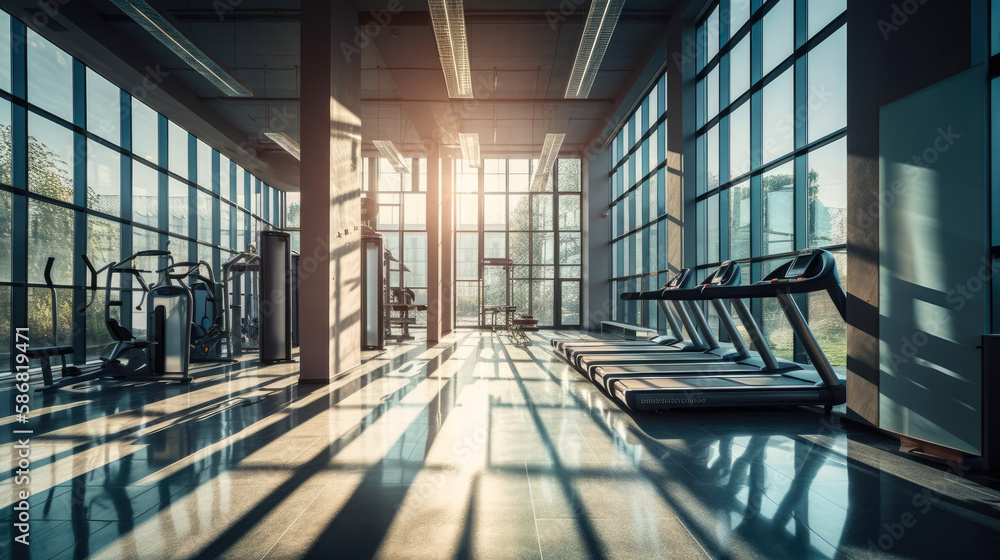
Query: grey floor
[[471, 448]]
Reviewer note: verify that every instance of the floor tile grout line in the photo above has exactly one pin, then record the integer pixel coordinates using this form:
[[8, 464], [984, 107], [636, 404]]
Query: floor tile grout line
[[534, 516]]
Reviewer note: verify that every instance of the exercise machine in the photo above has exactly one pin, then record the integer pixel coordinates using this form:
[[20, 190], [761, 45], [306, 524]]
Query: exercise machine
[[132, 359], [238, 272], [759, 382], [275, 296], [46, 354], [567, 348], [373, 294]]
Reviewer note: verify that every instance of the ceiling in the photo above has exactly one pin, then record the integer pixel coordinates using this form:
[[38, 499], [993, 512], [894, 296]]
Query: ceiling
[[520, 53]]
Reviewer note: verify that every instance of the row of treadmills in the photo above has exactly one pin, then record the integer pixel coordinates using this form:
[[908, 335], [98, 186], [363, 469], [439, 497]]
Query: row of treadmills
[[676, 372]]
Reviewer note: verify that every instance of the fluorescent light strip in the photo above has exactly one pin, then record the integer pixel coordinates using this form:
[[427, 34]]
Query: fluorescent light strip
[[391, 153], [543, 171], [286, 142], [597, 31], [470, 149], [175, 39], [448, 20]]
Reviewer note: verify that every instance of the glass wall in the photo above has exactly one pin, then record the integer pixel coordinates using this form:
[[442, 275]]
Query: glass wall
[[772, 149], [497, 215], [84, 166], [638, 208]]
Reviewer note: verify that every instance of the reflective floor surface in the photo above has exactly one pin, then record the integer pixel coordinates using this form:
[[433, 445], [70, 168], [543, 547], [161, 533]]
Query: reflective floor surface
[[474, 447]]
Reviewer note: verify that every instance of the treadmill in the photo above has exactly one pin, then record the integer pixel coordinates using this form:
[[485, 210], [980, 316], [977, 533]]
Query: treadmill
[[728, 274], [675, 341], [660, 387]]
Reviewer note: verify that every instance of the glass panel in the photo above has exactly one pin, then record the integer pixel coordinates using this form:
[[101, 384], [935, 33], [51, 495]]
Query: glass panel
[[569, 175], [543, 248], [145, 194], [739, 141], [467, 303], [739, 221], [5, 81], [713, 157], [6, 329], [40, 317], [204, 155], [519, 175], [779, 34], [495, 212], [6, 241], [225, 225], [779, 116], [6, 147], [779, 210], [570, 271], [103, 179], [50, 234], [415, 258], [50, 158], [828, 86], [541, 212], [225, 178], [822, 12], [177, 204], [494, 245], [50, 77], [519, 249], [777, 330], [712, 235], [145, 132], [828, 195], [712, 91], [520, 217], [711, 34], [415, 211], [177, 149], [569, 213], [739, 13], [467, 256], [204, 216], [143, 240], [570, 248], [292, 209], [104, 108], [739, 68], [468, 212], [542, 305]]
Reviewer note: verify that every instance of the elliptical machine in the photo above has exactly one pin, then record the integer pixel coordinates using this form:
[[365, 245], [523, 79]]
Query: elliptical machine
[[131, 359]]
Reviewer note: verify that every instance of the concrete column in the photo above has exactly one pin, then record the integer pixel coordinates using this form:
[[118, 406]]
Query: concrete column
[[329, 269], [447, 245], [433, 246]]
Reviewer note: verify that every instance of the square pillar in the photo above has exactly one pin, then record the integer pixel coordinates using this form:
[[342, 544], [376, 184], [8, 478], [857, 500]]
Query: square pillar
[[330, 263], [447, 245], [433, 246]]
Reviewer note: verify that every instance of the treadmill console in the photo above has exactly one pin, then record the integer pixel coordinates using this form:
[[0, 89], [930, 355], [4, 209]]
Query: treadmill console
[[678, 281], [800, 265], [725, 272]]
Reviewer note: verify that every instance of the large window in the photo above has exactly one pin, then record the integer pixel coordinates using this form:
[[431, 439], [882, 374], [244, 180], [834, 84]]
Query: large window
[[538, 230], [638, 208], [772, 154], [125, 201]]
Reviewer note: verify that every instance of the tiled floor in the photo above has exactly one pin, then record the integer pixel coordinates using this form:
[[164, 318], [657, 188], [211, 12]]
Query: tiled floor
[[471, 448]]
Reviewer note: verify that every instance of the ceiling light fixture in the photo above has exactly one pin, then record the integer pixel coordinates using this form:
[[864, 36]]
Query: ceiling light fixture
[[391, 153], [448, 20], [166, 31], [286, 142], [597, 31], [543, 171], [470, 149]]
